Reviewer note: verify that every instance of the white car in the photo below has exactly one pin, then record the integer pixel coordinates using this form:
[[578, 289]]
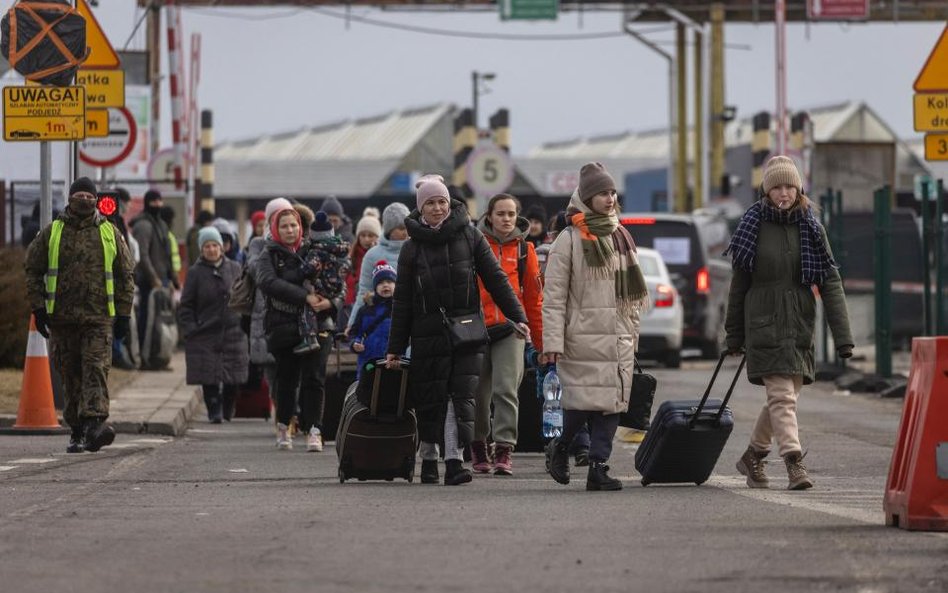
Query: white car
[[661, 326]]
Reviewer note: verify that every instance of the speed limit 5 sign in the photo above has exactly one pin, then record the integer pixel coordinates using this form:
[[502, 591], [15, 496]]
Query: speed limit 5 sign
[[489, 170]]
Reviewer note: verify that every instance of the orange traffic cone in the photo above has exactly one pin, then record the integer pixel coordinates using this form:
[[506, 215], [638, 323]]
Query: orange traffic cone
[[36, 413]]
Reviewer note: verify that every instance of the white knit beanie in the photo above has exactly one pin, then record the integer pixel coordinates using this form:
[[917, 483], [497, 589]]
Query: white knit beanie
[[275, 205], [369, 224]]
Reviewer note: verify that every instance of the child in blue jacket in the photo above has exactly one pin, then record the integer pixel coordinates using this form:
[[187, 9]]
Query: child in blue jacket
[[369, 332]]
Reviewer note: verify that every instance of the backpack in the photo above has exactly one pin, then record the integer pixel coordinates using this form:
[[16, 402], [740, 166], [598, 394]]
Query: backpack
[[242, 293]]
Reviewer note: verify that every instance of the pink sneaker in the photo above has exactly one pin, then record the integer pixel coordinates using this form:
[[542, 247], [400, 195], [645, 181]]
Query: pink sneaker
[[503, 465], [479, 459]]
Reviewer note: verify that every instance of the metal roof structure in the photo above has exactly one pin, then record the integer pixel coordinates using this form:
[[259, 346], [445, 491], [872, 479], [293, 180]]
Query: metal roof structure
[[753, 11], [346, 158]]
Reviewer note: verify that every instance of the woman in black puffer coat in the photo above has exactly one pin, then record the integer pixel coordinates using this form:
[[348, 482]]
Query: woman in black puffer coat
[[436, 268], [280, 277], [215, 346]]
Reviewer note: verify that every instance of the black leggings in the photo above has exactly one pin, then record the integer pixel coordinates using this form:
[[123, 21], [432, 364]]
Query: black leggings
[[602, 429], [304, 376]]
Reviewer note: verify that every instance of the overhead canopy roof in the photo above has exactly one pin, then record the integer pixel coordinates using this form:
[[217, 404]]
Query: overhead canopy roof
[[347, 158], [735, 10]]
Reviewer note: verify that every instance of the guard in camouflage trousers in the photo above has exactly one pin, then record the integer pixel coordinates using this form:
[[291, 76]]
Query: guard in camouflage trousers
[[79, 283]]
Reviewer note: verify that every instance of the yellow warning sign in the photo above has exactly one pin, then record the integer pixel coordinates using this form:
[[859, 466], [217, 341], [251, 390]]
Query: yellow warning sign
[[44, 113], [101, 52], [104, 88], [97, 123], [933, 77], [931, 112]]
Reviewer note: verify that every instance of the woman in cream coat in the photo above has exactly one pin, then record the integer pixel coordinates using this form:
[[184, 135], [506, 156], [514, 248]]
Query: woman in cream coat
[[591, 301]]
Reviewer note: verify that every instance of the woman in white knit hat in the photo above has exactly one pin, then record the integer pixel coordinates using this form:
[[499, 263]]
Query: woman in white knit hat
[[780, 254]]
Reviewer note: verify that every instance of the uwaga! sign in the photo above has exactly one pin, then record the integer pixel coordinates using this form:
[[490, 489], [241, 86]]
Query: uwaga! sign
[[31, 101], [33, 113]]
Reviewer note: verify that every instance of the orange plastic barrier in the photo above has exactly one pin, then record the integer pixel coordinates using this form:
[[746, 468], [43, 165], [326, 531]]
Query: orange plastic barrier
[[36, 412], [916, 494]]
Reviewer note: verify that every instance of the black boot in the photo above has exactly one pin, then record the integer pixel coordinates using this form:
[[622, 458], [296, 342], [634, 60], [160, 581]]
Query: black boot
[[557, 453], [581, 456], [229, 405], [598, 479], [98, 435], [429, 471], [456, 474], [77, 441], [214, 408]]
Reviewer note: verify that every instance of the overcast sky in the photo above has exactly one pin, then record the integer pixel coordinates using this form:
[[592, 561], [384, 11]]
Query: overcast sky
[[276, 69]]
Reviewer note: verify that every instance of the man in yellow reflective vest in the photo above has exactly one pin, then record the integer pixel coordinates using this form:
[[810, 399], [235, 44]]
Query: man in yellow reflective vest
[[79, 282]]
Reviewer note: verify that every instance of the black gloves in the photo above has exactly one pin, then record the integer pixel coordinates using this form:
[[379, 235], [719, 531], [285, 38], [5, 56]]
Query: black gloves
[[845, 351], [121, 327], [42, 321], [735, 351]]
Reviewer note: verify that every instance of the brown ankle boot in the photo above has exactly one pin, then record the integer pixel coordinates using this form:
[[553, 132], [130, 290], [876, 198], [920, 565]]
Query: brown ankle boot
[[751, 464], [796, 472]]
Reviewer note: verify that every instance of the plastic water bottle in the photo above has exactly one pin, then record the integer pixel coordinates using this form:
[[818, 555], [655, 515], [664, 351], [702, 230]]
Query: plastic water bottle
[[552, 410]]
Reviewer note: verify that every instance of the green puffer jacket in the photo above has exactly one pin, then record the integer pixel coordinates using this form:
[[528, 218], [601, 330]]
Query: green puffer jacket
[[773, 316]]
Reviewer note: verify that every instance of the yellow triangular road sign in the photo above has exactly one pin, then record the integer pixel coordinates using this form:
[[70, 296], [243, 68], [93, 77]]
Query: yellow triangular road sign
[[933, 77], [101, 52]]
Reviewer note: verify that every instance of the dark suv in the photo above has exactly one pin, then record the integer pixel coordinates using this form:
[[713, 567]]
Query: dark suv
[[691, 245]]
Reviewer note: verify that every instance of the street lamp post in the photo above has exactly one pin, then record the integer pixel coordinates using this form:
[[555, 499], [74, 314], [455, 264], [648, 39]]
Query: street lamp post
[[476, 77]]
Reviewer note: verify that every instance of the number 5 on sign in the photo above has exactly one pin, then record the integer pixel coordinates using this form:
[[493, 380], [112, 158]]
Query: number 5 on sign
[[936, 147], [489, 169]]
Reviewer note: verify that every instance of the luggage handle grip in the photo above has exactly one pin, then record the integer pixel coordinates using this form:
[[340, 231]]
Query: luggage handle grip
[[727, 396]]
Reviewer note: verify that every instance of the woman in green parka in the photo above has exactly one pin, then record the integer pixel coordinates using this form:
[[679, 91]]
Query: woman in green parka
[[780, 255]]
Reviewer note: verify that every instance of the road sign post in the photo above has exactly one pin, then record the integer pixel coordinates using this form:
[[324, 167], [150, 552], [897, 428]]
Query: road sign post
[[882, 262]]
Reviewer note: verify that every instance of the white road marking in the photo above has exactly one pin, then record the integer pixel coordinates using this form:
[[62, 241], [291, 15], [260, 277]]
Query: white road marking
[[856, 504], [151, 441], [238, 470], [33, 460], [6, 468]]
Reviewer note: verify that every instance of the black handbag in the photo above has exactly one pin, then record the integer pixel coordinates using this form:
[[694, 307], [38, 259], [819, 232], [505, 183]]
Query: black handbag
[[641, 397], [463, 331]]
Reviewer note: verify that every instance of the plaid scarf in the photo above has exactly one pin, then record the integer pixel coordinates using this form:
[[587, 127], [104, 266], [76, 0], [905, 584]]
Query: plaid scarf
[[602, 237], [815, 261]]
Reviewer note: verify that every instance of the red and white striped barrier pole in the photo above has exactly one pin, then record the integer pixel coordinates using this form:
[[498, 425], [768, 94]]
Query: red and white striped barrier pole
[[195, 138], [177, 92]]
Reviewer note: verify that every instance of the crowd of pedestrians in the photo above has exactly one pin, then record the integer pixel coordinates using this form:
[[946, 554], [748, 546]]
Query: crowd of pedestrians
[[564, 292]]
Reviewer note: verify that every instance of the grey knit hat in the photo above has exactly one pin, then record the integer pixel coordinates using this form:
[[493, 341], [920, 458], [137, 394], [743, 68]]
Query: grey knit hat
[[593, 178], [393, 217], [331, 205]]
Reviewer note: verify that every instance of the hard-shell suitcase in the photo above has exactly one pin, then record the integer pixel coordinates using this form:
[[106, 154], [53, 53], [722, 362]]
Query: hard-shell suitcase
[[378, 441], [687, 437]]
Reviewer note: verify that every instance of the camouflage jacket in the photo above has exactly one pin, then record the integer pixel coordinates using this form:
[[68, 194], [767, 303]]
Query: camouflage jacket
[[80, 289]]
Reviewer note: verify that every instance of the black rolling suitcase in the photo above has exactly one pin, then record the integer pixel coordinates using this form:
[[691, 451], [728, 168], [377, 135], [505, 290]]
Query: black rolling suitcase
[[687, 437], [377, 440]]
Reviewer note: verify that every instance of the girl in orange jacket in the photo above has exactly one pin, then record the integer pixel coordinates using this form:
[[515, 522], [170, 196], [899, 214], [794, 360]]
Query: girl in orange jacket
[[506, 233]]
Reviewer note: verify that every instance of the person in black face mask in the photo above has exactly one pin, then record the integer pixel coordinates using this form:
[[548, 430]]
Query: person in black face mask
[[76, 304], [154, 266]]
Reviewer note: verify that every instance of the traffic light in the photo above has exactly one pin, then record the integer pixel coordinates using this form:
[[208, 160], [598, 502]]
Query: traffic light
[[108, 202]]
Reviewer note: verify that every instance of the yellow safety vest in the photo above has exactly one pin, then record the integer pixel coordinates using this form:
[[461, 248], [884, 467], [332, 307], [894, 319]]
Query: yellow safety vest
[[175, 254], [107, 234]]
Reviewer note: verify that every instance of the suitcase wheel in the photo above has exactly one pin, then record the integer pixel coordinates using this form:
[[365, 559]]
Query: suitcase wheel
[[645, 483], [409, 469], [342, 476]]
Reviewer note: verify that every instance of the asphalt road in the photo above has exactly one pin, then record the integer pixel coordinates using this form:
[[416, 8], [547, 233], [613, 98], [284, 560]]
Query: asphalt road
[[221, 510]]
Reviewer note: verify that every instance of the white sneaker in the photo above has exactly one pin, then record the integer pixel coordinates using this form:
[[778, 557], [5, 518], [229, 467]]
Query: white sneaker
[[315, 440], [284, 442]]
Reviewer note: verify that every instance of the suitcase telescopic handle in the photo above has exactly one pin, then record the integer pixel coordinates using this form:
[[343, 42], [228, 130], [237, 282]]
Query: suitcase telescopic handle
[[727, 396]]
